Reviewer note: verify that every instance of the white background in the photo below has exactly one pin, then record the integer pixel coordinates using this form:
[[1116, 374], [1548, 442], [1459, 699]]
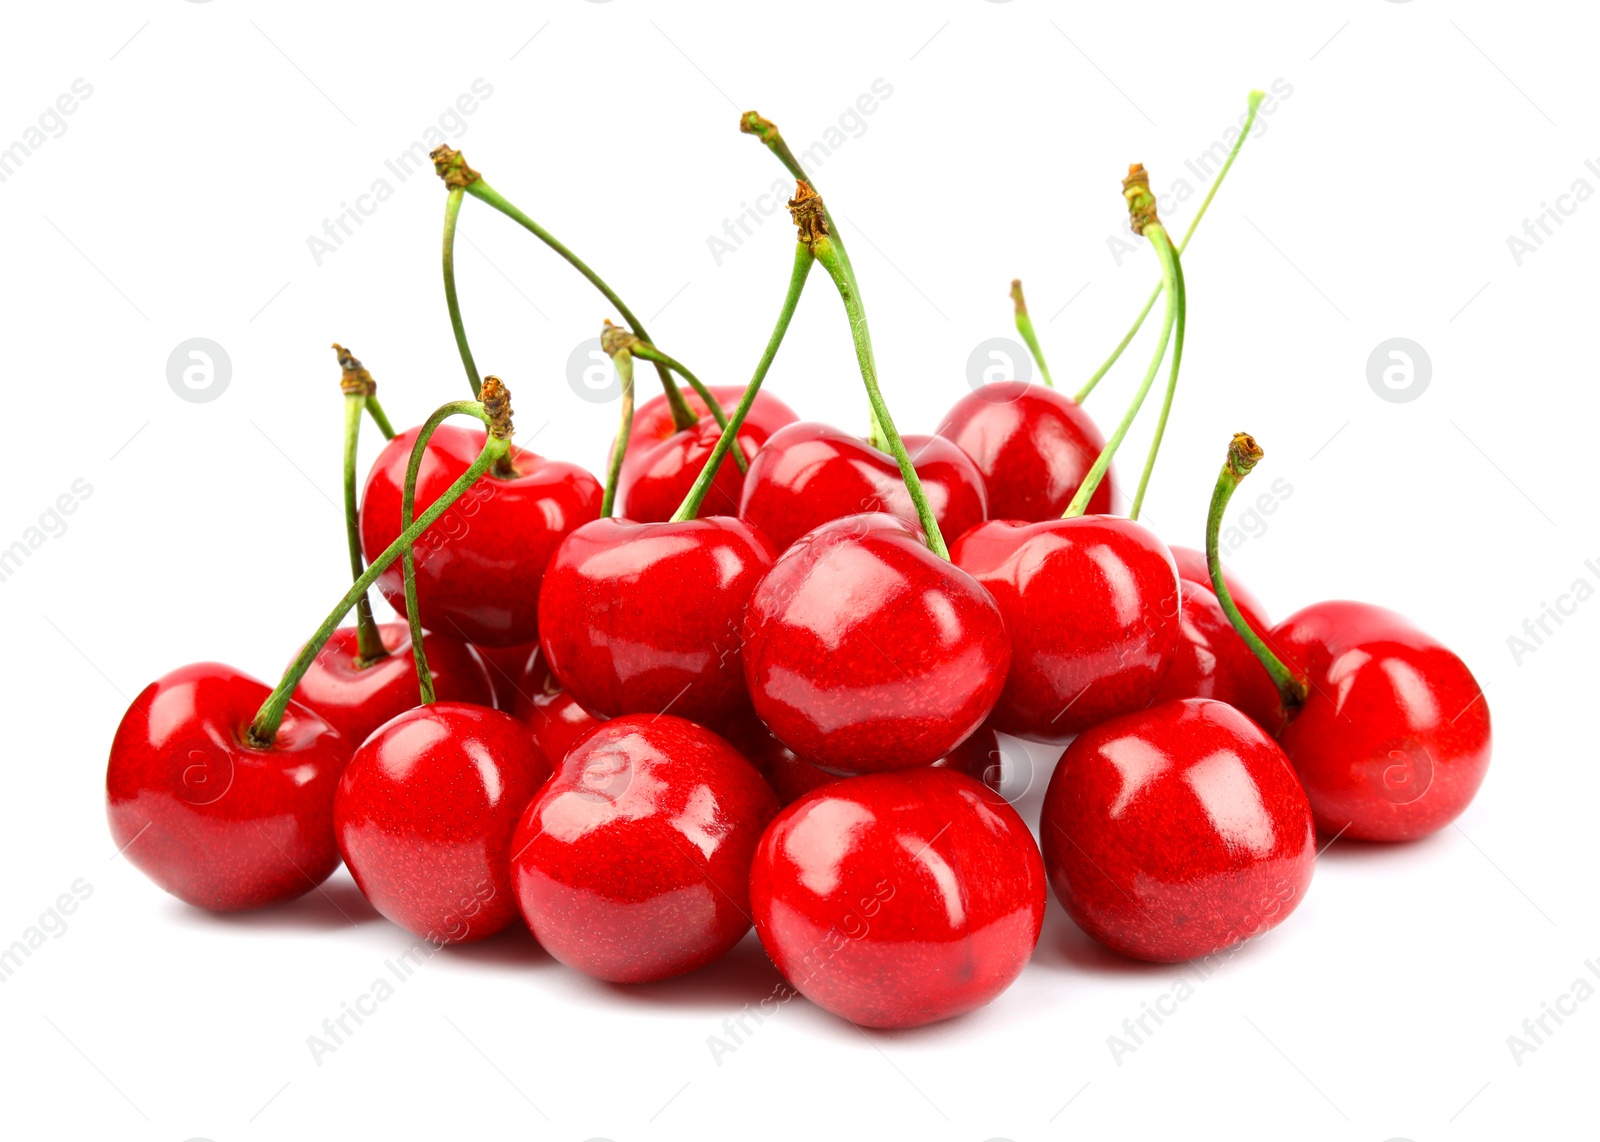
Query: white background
[[1377, 203]]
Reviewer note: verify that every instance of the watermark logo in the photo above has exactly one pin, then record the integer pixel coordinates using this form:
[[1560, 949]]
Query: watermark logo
[[1399, 370], [999, 370], [206, 777], [1401, 774], [591, 374], [199, 370]]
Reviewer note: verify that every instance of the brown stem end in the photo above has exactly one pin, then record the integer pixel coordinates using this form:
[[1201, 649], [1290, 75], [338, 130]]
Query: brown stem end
[[809, 218], [754, 123], [1016, 297], [355, 380], [496, 401], [451, 166], [1243, 454], [614, 339], [1141, 203]]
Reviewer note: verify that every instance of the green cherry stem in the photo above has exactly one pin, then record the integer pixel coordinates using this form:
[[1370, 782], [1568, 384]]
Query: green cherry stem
[[355, 374], [452, 210], [811, 221], [495, 412], [1253, 102], [358, 388], [753, 123], [1243, 455], [690, 508], [1142, 208], [645, 351], [264, 727], [616, 342], [1180, 308], [1025, 327], [456, 173]]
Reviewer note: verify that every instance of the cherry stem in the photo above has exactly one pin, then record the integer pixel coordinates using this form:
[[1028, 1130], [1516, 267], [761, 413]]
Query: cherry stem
[[495, 412], [1243, 455], [358, 388], [452, 209], [811, 220], [616, 342], [690, 507], [1142, 207], [457, 174], [646, 351], [356, 378], [1025, 327], [1253, 101], [267, 720], [1180, 306]]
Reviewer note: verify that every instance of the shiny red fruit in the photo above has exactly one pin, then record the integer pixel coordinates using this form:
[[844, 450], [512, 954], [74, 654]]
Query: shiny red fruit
[[1177, 831], [644, 618], [480, 565], [424, 816], [1091, 604], [662, 463], [1032, 444], [1212, 661], [899, 899], [633, 863], [1393, 739], [357, 699], [1192, 568], [213, 820], [792, 776], [811, 473], [865, 652], [555, 720]]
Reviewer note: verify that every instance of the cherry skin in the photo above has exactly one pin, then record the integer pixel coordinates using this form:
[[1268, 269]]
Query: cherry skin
[[792, 776], [1092, 607], [1177, 831], [1032, 444], [632, 864], [810, 473], [506, 666], [866, 652], [480, 565], [215, 821], [1393, 739], [642, 618], [899, 899], [424, 816], [1192, 568], [555, 720], [661, 464], [1212, 661], [356, 699]]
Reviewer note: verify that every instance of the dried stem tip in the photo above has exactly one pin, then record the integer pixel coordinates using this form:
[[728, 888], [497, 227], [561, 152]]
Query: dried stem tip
[[355, 381], [449, 164], [1141, 203], [1016, 297], [1243, 454], [614, 339], [753, 123], [496, 401], [806, 210]]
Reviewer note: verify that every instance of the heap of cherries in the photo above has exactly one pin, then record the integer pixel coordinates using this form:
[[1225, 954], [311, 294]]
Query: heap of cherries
[[743, 681]]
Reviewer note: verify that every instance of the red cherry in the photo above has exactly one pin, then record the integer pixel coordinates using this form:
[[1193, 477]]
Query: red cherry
[[356, 700], [864, 651], [1091, 604], [633, 863], [661, 463], [1393, 739], [478, 567], [1192, 568], [1032, 444], [1177, 831], [554, 718], [899, 899], [424, 816], [1212, 661], [215, 821], [506, 666], [810, 473], [643, 618]]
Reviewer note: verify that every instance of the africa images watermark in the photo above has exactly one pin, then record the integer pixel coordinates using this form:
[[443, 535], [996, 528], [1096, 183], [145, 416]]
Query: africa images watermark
[[51, 124], [1551, 617], [851, 124], [51, 524], [51, 924], [1537, 1030], [1550, 218], [450, 124]]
